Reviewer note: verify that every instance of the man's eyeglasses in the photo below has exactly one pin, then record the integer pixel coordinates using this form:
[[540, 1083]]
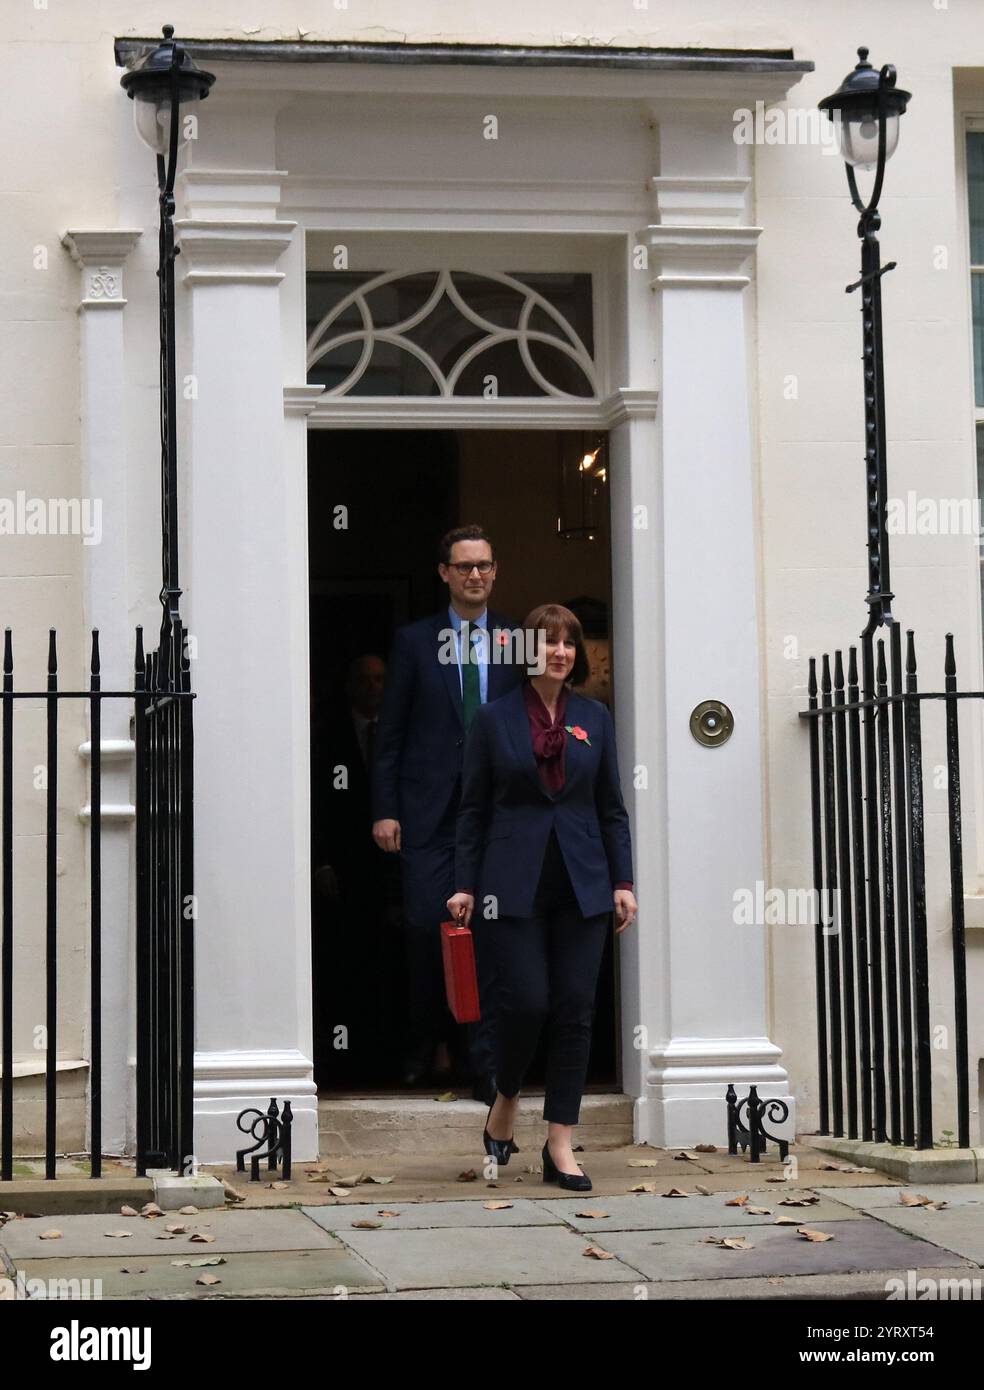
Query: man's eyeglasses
[[464, 568]]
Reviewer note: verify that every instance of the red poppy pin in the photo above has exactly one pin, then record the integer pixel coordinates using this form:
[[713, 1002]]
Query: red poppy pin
[[503, 639], [578, 733]]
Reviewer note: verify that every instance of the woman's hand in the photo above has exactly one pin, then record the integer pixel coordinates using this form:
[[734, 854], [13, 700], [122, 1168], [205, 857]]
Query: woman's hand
[[461, 907], [626, 908]]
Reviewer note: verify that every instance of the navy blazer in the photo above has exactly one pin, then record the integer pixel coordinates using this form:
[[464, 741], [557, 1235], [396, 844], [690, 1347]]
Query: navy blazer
[[420, 737], [506, 814]]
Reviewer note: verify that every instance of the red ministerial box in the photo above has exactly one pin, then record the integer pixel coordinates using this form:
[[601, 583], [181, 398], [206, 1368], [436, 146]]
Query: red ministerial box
[[460, 976]]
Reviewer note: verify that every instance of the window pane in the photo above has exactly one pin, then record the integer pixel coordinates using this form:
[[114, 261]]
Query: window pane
[[975, 195], [489, 323], [977, 309], [980, 494]]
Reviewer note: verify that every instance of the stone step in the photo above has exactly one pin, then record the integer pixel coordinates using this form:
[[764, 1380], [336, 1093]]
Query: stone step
[[421, 1125]]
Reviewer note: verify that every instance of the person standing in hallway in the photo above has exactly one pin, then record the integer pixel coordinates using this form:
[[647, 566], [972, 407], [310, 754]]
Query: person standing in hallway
[[543, 845], [441, 671]]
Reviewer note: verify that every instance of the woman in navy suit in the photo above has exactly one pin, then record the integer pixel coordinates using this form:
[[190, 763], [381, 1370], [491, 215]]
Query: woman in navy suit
[[543, 845]]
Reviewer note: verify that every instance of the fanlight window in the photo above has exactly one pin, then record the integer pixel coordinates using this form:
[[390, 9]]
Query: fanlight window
[[451, 333]]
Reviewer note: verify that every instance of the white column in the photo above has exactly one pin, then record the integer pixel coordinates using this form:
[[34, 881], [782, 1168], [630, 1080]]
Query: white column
[[252, 877], [101, 255], [714, 1024]]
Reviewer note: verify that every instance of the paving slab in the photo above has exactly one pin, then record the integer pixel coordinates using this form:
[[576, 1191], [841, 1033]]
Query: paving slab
[[434, 1215], [957, 1194], [839, 1288], [331, 1273], [472, 1256], [960, 1229], [495, 1295], [864, 1244], [646, 1212], [278, 1229]]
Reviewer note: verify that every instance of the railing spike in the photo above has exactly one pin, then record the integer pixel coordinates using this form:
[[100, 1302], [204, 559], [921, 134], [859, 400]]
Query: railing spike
[[94, 663], [838, 670], [8, 652], [812, 683], [852, 666], [882, 669], [825, 674], [950, 664], [910, 652], [52, 655]]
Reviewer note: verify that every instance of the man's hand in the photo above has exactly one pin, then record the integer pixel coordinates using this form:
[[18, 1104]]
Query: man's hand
[[386, 833], [626, 908], [461, 907]]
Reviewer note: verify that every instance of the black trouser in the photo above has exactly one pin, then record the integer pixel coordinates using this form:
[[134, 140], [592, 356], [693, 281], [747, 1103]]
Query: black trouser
[[547, 969]]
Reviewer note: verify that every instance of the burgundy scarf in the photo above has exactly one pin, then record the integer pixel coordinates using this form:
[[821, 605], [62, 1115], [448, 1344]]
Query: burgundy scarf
[[549, 738]]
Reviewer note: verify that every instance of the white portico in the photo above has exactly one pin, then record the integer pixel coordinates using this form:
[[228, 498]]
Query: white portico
[[629, 170]]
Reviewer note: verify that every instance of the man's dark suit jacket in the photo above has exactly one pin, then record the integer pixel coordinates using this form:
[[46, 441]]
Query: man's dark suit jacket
[[506, 814], [420, 738]]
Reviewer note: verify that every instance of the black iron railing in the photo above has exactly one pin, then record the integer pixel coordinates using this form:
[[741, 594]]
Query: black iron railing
[[162, 701], [875, 1044]]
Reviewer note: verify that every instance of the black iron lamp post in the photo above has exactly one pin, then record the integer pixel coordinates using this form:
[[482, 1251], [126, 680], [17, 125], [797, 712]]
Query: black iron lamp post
[[165, 81], [865, 110], [160, 85]]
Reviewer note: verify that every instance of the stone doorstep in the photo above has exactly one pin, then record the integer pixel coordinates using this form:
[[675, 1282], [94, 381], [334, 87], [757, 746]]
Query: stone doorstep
[[908, 1165], [420, 1125]]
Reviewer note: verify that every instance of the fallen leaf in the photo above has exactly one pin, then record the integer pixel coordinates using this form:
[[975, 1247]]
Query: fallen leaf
[[782, 1179], [496, 1206], [704, 1191], [593, 1215], [705, 1148], [643, 1187], [277, 1187], [202, 1237], [387, 1213], [676, 1192], [366, 1225], [643, 1162], [373, 1178], [759, 1211], [596, 1253], [808, 1234], [914, 1199], [232, 1193], [741, 1201], [197, 1263], [730, 1242], [178, 1229], [128, 1211], [208, 1279], [150, 1209], [54, 1235], [165, 1235], [118, 1235], [786, 1221], [446, 1096], [187, 1211], [687, 1158], [469, 1175], [129, 1269], [810, 1200]]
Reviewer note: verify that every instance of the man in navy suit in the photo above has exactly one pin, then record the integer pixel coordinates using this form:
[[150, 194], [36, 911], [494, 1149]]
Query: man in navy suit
[[430, 699]]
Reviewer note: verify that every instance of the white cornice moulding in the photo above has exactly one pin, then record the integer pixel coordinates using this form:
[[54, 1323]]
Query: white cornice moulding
[[301, 400], [698, 256], [691, 202], [241, 252], [630, 403], [100, 253], [242, 195], [459, 412]]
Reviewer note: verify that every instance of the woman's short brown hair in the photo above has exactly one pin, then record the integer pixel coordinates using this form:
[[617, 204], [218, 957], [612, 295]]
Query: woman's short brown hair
[[554, 619]]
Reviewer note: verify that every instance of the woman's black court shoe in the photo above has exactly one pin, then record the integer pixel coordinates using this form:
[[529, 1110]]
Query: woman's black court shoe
[[500, 1149], [574, 1182]]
